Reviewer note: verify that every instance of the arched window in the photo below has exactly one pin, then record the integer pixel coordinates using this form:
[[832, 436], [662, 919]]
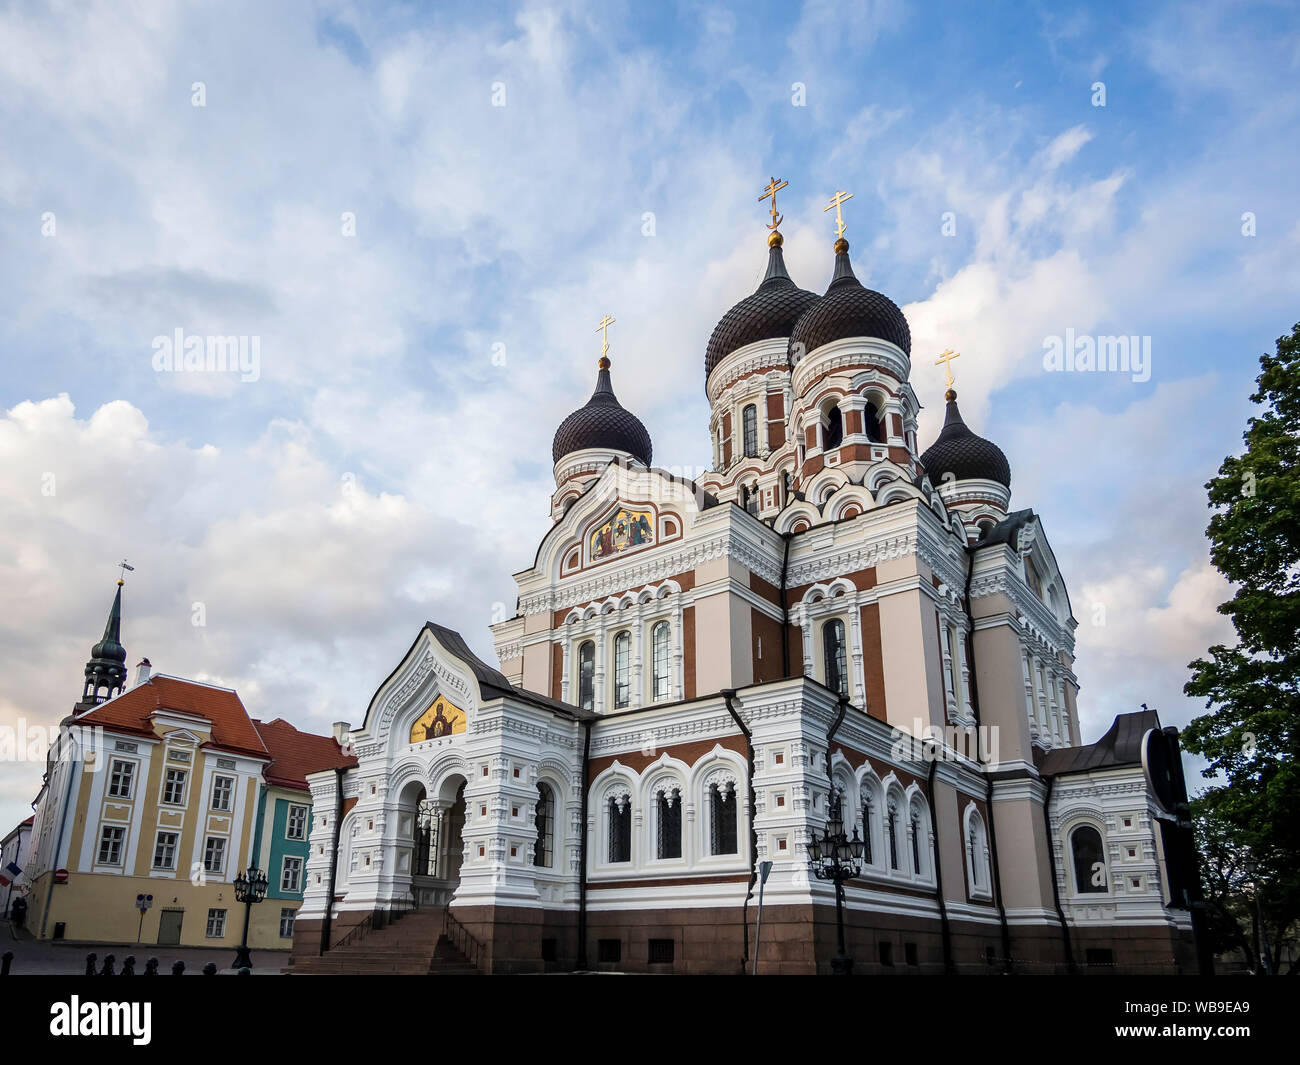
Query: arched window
[[1089, 861], [622, 669], [868, 819], [587, 675], [668, 819], [977, 855], [749, 420], [871, 422], [891, 830], [659, 659], [915, 827], [837, 673], [722, 818], [619, 811], [543, 850], [833, 430]]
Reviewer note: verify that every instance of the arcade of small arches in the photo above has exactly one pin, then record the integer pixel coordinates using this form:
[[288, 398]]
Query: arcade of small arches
[[894, 823], [625, 652], [670, 816]]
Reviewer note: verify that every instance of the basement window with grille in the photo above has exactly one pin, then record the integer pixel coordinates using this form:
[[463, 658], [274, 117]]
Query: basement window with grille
[[661, 952], [886, 953], [609, 950]]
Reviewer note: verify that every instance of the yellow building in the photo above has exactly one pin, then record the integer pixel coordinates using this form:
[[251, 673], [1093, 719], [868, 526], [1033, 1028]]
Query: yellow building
[[152, 794]]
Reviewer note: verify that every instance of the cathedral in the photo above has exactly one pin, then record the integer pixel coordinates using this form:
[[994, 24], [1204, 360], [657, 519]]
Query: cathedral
[[814, 711]]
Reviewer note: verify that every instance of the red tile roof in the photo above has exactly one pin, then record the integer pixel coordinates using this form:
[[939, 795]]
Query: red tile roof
[[295, 754], [232, 728]]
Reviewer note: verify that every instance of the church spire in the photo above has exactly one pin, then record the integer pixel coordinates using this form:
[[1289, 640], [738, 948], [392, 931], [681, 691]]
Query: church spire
[[106, 669]]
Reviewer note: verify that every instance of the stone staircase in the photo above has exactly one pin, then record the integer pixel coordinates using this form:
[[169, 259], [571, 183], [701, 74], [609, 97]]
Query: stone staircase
[[414, 944]]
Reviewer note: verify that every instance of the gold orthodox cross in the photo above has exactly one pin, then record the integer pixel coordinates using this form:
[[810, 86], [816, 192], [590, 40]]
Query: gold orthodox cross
[[772, 189], [836, 200], [945, 360], [603, 330]]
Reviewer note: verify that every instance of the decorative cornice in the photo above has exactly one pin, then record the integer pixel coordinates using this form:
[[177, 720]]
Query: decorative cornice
[[650, 569]]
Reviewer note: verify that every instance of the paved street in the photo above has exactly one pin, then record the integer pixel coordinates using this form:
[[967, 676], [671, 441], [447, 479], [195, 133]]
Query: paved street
[[52, 959]]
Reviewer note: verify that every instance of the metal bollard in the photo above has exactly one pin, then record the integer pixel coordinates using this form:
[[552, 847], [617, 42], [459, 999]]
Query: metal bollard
[[6, 960], [178, 968], [245, 971], [107, 970], [210, 969], [128, 965], [151, 967], [90, 963]]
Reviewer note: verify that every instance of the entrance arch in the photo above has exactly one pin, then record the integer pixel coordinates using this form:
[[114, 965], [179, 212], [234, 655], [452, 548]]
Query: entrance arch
[[437, 841]]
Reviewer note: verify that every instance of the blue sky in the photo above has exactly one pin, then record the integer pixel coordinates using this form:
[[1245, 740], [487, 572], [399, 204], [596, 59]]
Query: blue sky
[[385, 469]]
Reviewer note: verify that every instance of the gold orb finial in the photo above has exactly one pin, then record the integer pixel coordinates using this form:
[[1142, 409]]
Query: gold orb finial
[[841, 246], [774, 239]]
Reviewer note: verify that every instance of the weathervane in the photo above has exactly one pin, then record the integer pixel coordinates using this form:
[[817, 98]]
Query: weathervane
[[126, 568], [603, 330], [836, 201], [773, 187], [945, 360]]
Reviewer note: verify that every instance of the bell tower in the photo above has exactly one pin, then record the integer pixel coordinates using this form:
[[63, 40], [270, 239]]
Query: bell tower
[[106, 669]]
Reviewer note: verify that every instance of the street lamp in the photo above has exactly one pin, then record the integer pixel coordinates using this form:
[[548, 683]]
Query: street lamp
[[250, 887], [836, 857]]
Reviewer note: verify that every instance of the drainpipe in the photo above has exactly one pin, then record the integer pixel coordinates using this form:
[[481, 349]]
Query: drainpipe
[[339, 774], [785, 607], [1056, 890], [729, 695], [988, 780], [835, 727], [945, 929], [582, 849]]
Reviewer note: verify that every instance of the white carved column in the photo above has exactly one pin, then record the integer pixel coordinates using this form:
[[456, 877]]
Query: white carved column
[[859, 682]]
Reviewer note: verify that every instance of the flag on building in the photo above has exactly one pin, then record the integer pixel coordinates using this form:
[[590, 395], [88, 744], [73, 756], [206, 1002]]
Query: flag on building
[[10, 873]]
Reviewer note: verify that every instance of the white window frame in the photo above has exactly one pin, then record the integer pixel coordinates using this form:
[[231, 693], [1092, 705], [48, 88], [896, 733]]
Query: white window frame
[[113, 775], [167, 781], [175, 849], [120, 842], [229, 793], [207, 849], [284, 871], [303, 812], [216, 915], [287, 913]]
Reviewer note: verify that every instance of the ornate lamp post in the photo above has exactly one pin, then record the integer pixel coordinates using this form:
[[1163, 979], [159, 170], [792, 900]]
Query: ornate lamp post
[[250, 888], [836, 857]]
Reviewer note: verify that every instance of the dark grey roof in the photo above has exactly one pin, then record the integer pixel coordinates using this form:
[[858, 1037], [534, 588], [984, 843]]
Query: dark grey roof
[[768, 313], [848, 310], [602, 423], [963, 454], [492, 682], [1007, 531], [1121, 746]]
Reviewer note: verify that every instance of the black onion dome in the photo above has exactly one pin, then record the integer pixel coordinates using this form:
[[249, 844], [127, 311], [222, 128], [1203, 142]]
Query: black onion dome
[[849, 310], [768, 313], [963, 454], [602, 423]]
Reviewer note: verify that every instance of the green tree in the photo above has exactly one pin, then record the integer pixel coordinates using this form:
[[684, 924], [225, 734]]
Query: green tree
[[1250, 734]]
